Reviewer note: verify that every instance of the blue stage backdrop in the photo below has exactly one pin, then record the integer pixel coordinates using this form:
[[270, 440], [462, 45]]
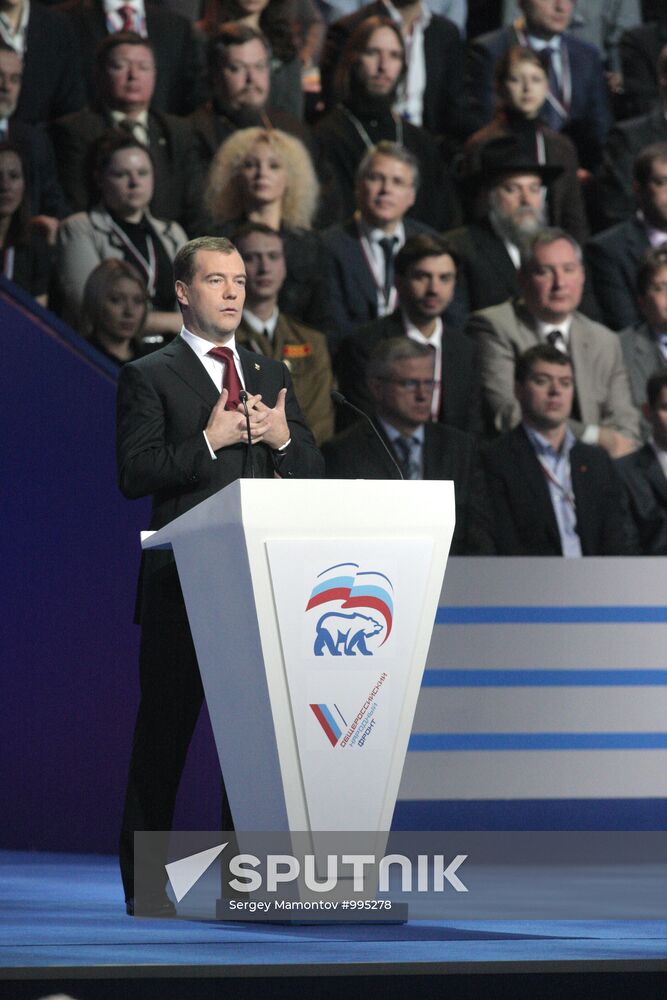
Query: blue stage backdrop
[[70, 558]]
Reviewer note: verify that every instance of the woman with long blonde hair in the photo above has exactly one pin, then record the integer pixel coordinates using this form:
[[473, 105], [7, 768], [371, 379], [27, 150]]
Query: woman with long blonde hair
[[267, 176]]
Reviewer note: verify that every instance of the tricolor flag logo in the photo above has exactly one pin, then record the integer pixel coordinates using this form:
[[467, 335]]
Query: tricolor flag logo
[[328, 722], [355, 588]]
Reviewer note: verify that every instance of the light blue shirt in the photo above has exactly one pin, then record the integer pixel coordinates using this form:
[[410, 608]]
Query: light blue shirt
[[558, 475]]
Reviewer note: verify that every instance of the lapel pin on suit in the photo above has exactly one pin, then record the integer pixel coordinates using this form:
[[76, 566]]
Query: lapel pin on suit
[[257, 367]]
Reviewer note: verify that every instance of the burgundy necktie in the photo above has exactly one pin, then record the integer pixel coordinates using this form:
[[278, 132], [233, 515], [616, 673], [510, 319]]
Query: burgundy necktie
[[127, 13], [230, 378]]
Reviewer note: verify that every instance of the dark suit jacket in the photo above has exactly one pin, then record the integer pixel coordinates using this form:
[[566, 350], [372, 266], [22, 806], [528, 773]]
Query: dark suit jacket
[[590, 115], [639, 49], [486, 274], [52, 83], [525, 523], [565, 201], [179, 84], [436, 203], [448, 454], [349, 287], [46, 194], [647, 495], [445, 109], [178, 174], [625, 140], [164, 402], [612, 260], [460, 395], [642, 357]]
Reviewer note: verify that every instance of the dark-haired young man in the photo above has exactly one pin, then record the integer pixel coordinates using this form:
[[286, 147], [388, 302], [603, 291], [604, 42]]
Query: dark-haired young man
[[425, 274], [552, 494]]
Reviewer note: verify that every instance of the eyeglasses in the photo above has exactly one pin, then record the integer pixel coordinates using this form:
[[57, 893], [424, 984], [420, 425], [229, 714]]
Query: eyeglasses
[[412, 384]]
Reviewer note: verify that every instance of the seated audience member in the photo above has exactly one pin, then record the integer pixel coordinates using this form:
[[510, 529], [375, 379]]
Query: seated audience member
[[600, 23], [45, 40], [125, 78], [509, 191], [114, 310], [267, 330], [425, 279], [401, 381], [522, 86], [121, 226], [577, 102], [644, 473], [239, 58], [613, 257], [265, 175], [431, 94], [624, 143], [179, 83], [551, 280], [360, 253], [271, 18], [639, 50], [26, 257], [371, 69], [644, 345], [46, 196], [552, 494]]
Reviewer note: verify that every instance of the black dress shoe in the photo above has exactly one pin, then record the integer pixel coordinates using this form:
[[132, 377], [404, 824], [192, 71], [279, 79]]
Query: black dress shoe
[[151, 906]]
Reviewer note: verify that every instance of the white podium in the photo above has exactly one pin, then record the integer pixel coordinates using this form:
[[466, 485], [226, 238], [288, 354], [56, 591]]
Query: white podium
[[311, 604]]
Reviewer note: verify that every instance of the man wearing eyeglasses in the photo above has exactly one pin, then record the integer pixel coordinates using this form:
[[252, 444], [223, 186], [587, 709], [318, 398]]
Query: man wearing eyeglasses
[[404, 442], [552, 494]]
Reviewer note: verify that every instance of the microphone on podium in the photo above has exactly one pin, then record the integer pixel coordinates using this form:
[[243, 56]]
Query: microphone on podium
[[340, 400]]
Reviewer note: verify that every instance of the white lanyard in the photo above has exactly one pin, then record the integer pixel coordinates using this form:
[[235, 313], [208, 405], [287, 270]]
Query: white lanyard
[[567, 495], [390, 303], [148, 266], [8, 263], [365, 137], [561, 107]]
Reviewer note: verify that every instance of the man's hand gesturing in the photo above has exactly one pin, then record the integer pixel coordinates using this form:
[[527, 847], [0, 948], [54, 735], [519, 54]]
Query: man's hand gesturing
[[226, 427]]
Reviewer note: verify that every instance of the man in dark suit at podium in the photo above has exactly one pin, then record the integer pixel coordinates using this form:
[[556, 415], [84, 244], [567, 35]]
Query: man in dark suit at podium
[[182, 438]]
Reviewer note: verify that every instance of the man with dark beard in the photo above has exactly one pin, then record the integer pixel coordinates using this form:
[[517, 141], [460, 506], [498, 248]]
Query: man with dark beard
[[371, 69], [431, 93]]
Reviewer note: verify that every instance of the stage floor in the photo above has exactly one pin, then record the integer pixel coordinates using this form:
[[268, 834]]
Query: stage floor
[[62, 917]]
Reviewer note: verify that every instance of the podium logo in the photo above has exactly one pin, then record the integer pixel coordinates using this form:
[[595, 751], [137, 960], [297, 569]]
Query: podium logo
[[360, 610], [357, 732]]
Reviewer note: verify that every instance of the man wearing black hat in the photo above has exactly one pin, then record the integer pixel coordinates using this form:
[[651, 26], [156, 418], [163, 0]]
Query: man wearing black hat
[[511, 196]]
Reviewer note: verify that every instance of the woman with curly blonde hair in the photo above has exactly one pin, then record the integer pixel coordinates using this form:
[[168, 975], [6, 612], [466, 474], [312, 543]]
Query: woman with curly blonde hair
[[266, 175]]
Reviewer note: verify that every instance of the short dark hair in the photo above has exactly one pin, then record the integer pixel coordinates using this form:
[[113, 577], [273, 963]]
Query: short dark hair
[[651, 262], [393, 349], [227, 36], [540, 352], [417, 247], [110, 142], [184, 261], [646, 157], [111, 42], [246, 228], [355, 46], [654, 386]]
